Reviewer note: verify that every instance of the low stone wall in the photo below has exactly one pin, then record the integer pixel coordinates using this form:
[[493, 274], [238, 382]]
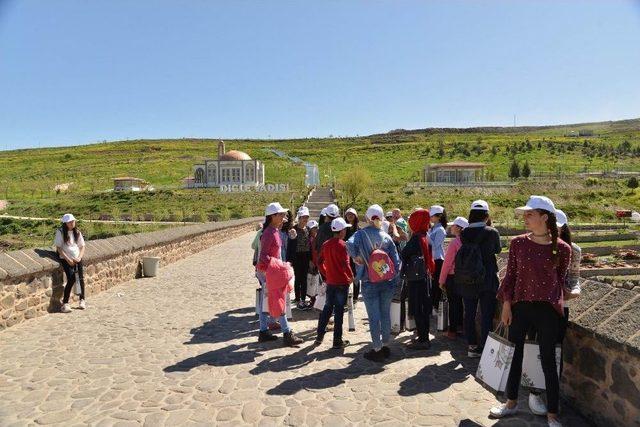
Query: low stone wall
[[32, 281]]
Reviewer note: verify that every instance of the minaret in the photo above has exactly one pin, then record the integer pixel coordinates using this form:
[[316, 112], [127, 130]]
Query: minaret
[[221, 149]]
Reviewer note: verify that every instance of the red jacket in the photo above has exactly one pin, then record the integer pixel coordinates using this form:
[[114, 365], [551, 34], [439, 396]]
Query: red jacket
[[334, 262]]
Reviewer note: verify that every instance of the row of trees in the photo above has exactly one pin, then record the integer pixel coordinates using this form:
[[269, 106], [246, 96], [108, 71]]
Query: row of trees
[[515, 171]]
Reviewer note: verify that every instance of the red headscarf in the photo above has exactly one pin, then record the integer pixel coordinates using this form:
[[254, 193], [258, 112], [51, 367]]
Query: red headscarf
[[419, 221]]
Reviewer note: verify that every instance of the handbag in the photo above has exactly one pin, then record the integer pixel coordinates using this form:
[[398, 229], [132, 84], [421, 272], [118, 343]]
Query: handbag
[[532, 374], [321, 298], [443, 315], [495, 363], [395, 317], [313, 281]]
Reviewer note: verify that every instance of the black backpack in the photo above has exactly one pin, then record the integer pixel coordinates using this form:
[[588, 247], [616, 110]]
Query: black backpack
[[415, 269], [469, 269]]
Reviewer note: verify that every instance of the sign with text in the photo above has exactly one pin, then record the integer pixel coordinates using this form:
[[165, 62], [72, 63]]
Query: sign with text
[[259, 188]]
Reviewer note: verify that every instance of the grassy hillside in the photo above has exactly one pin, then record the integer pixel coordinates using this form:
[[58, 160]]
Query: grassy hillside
[[28, 177]]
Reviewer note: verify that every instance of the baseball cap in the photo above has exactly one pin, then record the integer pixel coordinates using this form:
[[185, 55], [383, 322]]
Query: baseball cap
[[68, 218], [388, 214], [461, 222], [312, 224], [561, 218], [323, 211], [303, 211], [351, 210], [375, 211], [436, 210], [339, 224], [274, 208], [537, 202], [480, 205], [332, 211]]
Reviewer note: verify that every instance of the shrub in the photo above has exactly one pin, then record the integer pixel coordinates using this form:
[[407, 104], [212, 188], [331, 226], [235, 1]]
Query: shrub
[[590, 182], [632, 182]]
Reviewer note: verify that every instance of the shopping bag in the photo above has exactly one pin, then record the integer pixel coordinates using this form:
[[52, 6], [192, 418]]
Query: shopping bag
[[77, 289], [352, 320], [313, 281], [395, 317], [320, 301], [410, 323], [495, 363], [288, 307], [443, 315], [532, 374], [258, 301]]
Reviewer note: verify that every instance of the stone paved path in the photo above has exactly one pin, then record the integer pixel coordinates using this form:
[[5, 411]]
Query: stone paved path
[[180, 349]]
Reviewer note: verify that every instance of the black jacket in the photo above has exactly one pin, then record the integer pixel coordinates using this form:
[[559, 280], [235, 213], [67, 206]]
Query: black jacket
[[489, 248]]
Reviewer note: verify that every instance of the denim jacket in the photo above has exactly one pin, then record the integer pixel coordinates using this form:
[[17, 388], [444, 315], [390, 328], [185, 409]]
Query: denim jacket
[[360, 245]]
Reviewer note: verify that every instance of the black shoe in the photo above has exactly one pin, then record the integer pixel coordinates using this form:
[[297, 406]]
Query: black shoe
[[340, 344], [266, 336], [386, 351], [420, 345], [290, 340], [318, 340], [374, 356]]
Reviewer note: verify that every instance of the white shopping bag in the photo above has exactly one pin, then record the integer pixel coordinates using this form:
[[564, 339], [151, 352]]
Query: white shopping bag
[[532, 374], [313, 281], [320, 301], [495, 363], [265, 300], [352, 320], [443, 315], [258, 301], [77, 289], [410, 322], [288, 307], [395, 317]]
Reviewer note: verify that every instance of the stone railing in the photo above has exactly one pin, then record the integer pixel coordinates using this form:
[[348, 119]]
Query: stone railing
[[32, 281]]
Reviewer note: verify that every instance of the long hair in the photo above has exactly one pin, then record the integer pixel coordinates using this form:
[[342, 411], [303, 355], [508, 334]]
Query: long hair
[[477, 215], [289, 224], [267, 221], [565, 234], [354, 224], [65, 233], [321, 219], [552, 226], [442, 219]]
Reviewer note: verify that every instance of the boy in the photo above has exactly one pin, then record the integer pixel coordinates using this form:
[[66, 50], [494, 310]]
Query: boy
[[335, 267]]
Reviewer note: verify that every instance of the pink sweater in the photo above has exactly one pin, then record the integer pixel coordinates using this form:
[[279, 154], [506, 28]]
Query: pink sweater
[[449, 260]]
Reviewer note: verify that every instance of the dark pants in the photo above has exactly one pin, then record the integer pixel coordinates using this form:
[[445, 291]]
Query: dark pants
[[487, 308], [455, 306], [532, 335], [301, 269], [546, 320], [436, 292], [336, 300], [70, 272], [420, 306], [404, 290], [356, 282]]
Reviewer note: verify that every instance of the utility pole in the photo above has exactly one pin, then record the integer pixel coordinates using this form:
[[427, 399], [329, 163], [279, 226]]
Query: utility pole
[[514, 120]]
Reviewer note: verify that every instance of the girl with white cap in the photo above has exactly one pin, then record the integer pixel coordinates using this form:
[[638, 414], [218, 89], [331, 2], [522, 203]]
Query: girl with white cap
[[437, 234], [532, 296], [300, 256], [70, 247]]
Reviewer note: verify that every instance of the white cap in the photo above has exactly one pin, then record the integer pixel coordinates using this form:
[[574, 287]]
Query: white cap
[[312, 224], [461, 222], [323, 211], [274, 208], [303, 211], [375, 211], [332, 211], [561, 218], [339, 224], [480, 205], [537, 202], [388, 214], [436, 210], [68, 218], [351, 210]]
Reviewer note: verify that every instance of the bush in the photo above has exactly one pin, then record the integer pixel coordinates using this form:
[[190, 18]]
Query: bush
[[590, 182], [632, 182]]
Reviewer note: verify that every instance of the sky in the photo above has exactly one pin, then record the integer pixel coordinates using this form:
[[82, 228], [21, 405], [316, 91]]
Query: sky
[[76, 71]]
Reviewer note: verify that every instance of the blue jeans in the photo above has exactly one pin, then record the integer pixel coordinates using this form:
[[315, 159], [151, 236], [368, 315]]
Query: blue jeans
[[377, 300], [263, 317], [336, 300], [487, 307]]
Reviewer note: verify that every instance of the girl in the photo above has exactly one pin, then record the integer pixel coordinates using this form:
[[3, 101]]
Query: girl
[[300, 251], [419, 290], [352, 219], [271, 247], [437, 235], [70, 247], [313, 263], [446, 278], [531, 295]]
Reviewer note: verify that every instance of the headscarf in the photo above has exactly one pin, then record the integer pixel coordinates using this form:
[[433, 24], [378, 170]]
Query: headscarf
[[419, 221]]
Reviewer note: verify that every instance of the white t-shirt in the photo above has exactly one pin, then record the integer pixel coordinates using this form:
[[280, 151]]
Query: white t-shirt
[[71, 249]]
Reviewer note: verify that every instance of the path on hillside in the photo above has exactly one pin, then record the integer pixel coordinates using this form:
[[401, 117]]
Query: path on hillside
[[181, 349]]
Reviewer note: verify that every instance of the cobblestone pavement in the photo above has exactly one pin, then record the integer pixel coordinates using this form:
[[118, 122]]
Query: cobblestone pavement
[[181, 349]]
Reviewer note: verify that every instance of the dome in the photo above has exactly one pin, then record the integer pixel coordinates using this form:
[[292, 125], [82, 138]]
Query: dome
[[234, 155]]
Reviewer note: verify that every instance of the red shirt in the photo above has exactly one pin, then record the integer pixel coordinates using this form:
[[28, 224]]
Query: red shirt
[[531, 275], [334, 262]]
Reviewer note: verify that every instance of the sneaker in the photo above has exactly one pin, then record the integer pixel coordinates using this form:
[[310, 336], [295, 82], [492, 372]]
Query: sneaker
[[291, 340], [83, 305], [66, 308], [419, 345], [386, 351], [502, 411], [265, 336], [537, 405], [318, 340], [300, 306], [374, 356], [307, 307], [474, 352], [553, 422], [340, 344]]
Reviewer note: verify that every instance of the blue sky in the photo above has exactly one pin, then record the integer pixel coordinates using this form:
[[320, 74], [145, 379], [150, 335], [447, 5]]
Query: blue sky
[[76, 72]]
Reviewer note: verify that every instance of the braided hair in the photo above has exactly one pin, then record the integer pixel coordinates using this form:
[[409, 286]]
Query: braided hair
[[565, 234], [552, 226]]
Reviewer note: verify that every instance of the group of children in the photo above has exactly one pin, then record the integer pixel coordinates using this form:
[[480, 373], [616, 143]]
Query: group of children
[[390, 256]]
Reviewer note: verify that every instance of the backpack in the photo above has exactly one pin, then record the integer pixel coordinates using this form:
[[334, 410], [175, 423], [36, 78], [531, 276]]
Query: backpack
[[380, 267], [469, 268], [416, 269]]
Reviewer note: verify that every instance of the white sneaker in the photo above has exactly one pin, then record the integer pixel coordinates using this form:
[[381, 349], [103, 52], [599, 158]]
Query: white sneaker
[[434, 312], [537, 405], [502, 411], [83, 306], [554, 422], [65, 308]]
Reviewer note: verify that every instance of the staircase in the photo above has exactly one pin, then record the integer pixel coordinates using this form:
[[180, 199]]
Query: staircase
[[319, 198]]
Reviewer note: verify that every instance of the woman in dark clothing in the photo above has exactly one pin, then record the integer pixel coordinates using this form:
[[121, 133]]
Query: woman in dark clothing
[[417, 250], [488, 240], [352, 218], [299, 256]]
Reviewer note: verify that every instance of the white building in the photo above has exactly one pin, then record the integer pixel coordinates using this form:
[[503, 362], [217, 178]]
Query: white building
[[233, 167]]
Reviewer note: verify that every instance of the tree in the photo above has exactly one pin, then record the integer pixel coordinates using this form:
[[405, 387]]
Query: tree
[[354, 182], [514, 170], [632, 182], [526, 170]]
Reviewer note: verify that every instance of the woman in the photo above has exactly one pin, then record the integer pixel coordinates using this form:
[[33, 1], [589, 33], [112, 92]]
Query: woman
[[571, 291], [437, 234], [313, 263], [271, 247], [417, 250], [352, 219], [484, 293], [446, 278], [300, 256], [377, 295], [287, 231], [532, 296], [70, 247]]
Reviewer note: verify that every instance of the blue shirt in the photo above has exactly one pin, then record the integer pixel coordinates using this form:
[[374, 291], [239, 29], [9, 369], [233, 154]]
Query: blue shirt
[[362, 243], [437, 235]]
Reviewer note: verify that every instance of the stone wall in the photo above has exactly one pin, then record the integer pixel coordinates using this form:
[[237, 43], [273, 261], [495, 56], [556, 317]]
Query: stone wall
[[32, 281]]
